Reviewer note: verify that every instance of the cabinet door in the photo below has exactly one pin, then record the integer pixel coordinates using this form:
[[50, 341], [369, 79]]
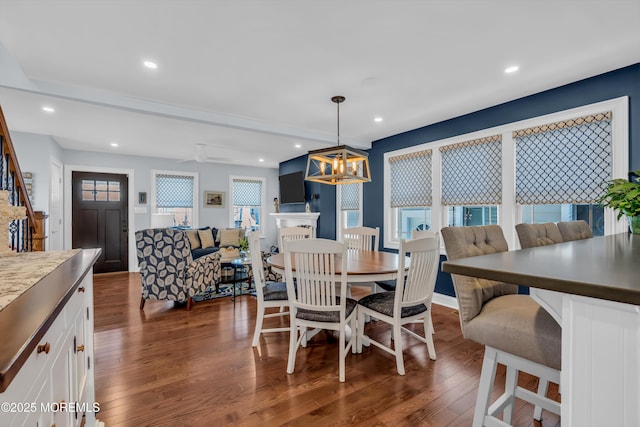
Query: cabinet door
[[61, 382], [79, 361], [40, 401]]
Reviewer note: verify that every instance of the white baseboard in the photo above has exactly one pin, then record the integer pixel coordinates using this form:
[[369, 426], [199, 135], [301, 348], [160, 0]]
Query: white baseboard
[[445, 300]]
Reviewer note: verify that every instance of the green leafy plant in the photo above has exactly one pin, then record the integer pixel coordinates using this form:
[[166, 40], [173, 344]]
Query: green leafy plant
[[244, 244], [623, 196]]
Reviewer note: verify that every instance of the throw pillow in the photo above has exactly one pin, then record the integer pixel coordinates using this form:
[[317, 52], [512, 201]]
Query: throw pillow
[[194, 240], [206, 238], [230, 237]]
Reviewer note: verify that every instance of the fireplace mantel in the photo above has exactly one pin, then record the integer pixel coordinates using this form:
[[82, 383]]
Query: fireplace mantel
[[294, 219]]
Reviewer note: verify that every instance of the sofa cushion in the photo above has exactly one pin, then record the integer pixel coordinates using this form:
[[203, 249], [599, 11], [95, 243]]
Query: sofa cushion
[[230, 237], [194, 240], [197, 253], [206, 238]]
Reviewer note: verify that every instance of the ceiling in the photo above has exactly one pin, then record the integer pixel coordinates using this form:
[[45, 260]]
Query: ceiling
[[253, 79]]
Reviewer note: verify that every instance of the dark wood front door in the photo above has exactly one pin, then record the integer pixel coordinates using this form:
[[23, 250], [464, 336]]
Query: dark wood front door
[[99, 217]]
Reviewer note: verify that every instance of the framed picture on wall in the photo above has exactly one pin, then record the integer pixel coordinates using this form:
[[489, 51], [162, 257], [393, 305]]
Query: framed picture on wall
[[214, 199]]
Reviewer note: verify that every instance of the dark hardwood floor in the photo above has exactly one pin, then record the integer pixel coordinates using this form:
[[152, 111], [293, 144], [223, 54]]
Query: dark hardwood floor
[[166, 366]]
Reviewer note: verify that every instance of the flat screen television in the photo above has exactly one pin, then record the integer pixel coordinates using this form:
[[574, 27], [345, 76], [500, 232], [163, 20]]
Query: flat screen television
[[292, 188]]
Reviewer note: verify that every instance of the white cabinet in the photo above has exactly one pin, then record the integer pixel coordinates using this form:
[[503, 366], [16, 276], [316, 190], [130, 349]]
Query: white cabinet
[[55, 385]]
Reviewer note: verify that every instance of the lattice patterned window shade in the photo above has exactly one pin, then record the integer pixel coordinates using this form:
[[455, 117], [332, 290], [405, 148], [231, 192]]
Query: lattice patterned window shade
[[564, 162], [350, 197], [247, 192], [410, 179], [472, 172], [174, 191]]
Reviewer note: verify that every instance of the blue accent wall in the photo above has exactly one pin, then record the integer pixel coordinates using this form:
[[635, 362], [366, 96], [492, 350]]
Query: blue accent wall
[[614, 84], [321, 198]]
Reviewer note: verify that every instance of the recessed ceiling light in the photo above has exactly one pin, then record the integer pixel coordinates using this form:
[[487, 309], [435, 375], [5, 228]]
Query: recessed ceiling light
[[114, 144], [298, 145], [261, 160], [48, 109], [378, 119], [511, 69], [150, 64]]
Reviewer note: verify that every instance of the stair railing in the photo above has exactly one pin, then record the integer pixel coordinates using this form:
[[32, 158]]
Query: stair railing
[[22, 233]]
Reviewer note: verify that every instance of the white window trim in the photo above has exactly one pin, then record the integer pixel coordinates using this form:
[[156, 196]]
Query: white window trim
[[339, 212], [509, 213], [196, 201], [263, 202]]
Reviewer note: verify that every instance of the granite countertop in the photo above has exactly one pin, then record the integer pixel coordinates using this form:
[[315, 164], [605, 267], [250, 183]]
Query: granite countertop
[[20, 271]]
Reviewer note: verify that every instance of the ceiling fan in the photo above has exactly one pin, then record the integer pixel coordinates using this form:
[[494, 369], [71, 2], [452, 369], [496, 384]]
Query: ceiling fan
[[201, 156]]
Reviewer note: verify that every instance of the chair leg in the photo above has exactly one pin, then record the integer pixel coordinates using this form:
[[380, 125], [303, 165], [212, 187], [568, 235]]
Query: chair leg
[[428, 336], [342, 352], [397, 345], [543, 385], [511, 382], [259, 320], [293, 347], [189, 303], [359, 331], [487, 378], [142, 300]]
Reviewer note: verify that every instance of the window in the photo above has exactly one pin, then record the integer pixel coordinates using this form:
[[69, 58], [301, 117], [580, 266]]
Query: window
[[547, 168], [561, 169], [175, 193], [100, 191], [472, 176], [410, 193], [349, 204], [247, 209], [463, 216]]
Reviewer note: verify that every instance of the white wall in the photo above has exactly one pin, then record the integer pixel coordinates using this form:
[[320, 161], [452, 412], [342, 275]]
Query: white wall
[[211, 177], [35, 153]]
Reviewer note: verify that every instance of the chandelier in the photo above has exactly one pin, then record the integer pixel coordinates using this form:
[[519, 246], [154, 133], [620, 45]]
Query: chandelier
[[338, 165]]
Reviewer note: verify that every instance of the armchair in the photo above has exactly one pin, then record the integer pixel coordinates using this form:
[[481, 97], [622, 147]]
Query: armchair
[[167, 268]]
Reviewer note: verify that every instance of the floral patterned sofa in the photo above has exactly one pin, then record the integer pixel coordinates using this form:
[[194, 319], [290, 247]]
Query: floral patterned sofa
[[168, 269]]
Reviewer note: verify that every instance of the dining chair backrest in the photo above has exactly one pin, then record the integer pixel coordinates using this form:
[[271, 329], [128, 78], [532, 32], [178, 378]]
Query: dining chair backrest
[[293, 233], [533, 235], [419, 234], [361, 238], [313, 264], [575, 230], [421, 275]]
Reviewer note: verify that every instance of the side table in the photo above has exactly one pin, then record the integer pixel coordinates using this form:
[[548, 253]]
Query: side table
[[239, 275]]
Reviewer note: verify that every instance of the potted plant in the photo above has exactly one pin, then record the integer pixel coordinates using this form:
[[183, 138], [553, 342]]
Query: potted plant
[[244, 244], [624, 196]]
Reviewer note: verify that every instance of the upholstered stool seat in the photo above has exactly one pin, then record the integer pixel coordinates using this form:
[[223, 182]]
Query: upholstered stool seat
[[518, 325]]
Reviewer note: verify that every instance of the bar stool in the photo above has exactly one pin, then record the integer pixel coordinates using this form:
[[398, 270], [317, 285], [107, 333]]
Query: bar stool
[[514, 329], [575, 230]]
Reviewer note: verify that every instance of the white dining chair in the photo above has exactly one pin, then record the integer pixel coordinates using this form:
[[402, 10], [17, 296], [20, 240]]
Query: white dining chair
[[390, 285], [410, 301], [317, 300], [361, 238], [268, 294], [293, 233]]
